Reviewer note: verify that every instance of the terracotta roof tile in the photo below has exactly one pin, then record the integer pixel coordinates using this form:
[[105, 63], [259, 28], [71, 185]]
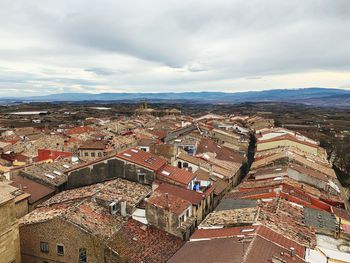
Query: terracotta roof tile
[[142, 158], [175, 204], [228, 250], [263, 250], [192, 196], [176, 174], [136, 242], [221, 152], [223, 232], [80, 130], [36, 190]]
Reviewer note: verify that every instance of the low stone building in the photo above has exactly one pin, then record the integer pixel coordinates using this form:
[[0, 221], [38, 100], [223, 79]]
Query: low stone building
[[78, 225], [93, 149], [202, 202], [171, 214], [131, 164]]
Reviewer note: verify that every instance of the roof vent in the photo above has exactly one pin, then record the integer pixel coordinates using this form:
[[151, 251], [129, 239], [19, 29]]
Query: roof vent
[[113, 208], [127, 155], [134, 150]]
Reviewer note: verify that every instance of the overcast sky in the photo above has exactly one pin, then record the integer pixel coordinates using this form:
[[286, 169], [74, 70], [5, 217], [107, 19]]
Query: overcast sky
[[153, 46]]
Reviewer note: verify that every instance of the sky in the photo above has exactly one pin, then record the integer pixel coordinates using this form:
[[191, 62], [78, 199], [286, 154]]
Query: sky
[[100, 46]]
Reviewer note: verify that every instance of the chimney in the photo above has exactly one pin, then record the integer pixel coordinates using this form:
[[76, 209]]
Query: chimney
[[292, 251], [123, 208], [167, 200]]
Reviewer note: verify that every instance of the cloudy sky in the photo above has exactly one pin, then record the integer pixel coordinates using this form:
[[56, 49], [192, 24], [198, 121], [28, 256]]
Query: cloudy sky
[[154, 46]]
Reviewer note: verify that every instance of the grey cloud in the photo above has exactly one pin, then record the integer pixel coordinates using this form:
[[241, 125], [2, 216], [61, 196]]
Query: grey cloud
[[144, 45]]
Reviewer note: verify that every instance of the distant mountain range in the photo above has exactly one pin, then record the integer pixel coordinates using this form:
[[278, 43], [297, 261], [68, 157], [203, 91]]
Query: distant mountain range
[[310, 96]]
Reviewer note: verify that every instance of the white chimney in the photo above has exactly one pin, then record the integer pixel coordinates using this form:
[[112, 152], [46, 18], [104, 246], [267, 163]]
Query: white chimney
[[123, 208]]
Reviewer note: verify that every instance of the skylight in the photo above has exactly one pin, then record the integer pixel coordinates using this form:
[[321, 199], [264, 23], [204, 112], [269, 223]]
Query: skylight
[[247, 230], [165, 173], [127, 155], [50, 176]]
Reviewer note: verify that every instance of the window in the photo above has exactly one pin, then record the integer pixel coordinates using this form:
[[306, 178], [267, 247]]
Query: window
[[99, 154], [44, 247], [86, 154], [185, 165], [188, 213], [92, 154], [82, 255], [60, 249], [179, 164]]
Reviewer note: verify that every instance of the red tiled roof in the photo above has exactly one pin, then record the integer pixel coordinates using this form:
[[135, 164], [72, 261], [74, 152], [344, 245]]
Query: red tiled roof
[[261, 230], [189, 195], [222, 152], [160, 134], [287, 137], [281, 240], [37, 191], [176, 204], [142, 158], [263, 250], [141, 243], [223, 232], [96, 145], [176, 174], [79, 130], [11, 157], [228, 250]]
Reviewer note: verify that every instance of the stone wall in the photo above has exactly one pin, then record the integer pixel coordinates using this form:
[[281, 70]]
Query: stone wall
[[109, 169], [22, 208], [58, 231], [9, 237], [163, 219]]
